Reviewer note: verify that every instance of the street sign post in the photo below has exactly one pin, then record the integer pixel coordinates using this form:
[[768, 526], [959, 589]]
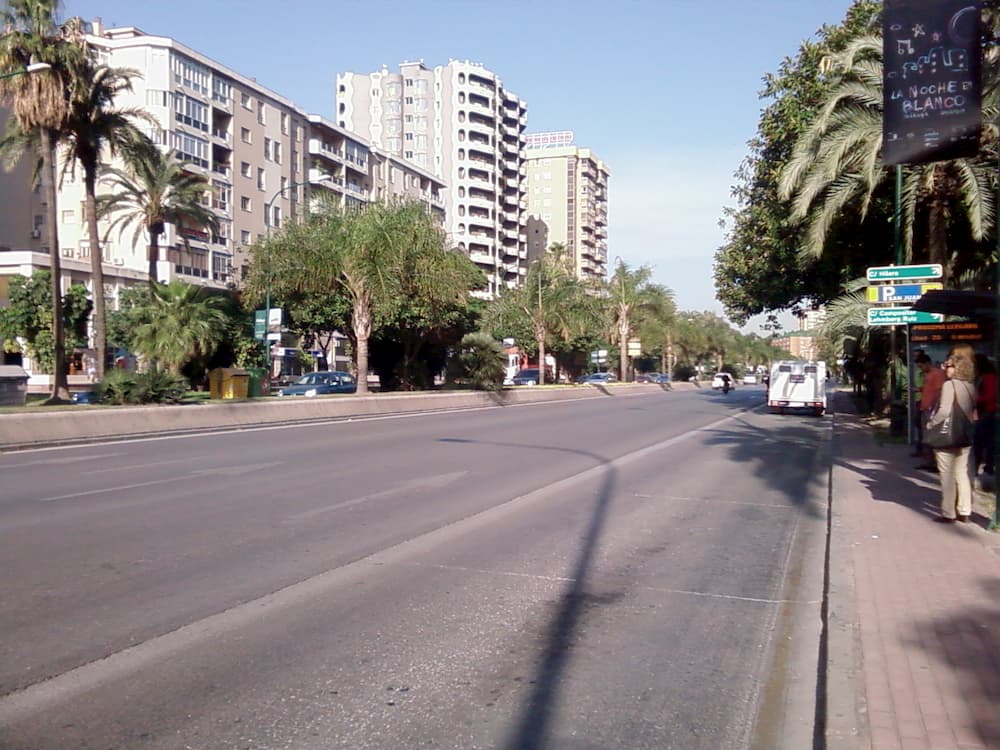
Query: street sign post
[[901, 293], [893, 273], [895, 316]]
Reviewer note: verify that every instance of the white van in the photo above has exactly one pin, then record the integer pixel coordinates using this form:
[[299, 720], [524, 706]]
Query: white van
[[797, 386]]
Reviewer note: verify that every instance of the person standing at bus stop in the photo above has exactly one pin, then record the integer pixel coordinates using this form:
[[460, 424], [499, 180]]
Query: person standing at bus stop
[[986, 409], [930, 390]]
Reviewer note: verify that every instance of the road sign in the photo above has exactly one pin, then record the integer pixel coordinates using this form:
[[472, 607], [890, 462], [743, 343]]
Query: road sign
[[634, 347], [891, 273], [901, 292], [599, 357], [259, 324], [895, 316]]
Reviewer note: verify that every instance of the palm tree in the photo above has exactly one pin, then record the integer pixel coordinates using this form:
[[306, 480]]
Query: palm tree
[[40, 106], [156, 191], [631, 294], [181, 322], [551, 303], [94, 124], [835, 166]]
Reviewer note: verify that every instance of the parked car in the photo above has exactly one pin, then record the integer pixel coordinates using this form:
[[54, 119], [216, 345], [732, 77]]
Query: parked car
[[750, 379], [661, 379], [597, 378], [321, 383], [647, 377], [719, 380], [527, 376]]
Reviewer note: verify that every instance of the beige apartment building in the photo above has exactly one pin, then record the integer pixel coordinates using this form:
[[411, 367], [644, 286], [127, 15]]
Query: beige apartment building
[[263, 157], [459, 123], [568, 202]]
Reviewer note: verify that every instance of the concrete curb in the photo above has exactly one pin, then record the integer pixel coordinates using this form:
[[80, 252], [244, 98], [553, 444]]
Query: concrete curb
[[26, 430], [845, 714]]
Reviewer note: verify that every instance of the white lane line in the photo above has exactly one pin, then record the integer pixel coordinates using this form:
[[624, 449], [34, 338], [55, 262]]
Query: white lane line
[[118, 488], [57, 461], [432, 482], [134, 467], [561, 579], [714, 500]]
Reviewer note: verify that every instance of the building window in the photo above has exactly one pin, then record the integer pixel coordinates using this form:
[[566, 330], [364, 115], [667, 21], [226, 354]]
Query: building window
[[245, 237], [261, 113], [246, 101], [245, 135], [267, 149], [245, 169], [261, 179], [284, 123], [277, 152], [245, 203]]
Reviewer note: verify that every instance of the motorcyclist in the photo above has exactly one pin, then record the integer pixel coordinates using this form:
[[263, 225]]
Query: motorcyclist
[[726, 383]]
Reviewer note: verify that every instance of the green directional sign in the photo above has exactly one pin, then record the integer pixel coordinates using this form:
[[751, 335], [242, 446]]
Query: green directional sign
[[896, 316], [891, 273], [259, 324]]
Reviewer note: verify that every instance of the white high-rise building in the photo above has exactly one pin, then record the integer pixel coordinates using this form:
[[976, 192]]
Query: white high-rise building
[[461, 124], [568, 202]]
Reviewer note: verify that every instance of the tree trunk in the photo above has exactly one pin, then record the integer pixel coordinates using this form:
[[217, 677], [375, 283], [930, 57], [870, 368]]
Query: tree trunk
[[60, 388], [361, 321], [623, 347], [541, 360], [937, 238], [154, 255], [96, 275]]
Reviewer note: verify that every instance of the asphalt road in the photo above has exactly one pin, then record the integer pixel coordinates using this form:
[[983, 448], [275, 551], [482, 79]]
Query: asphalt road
[[640, 571]]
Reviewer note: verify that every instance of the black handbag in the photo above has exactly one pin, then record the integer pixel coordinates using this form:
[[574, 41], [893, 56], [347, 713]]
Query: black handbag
[[955, 431]]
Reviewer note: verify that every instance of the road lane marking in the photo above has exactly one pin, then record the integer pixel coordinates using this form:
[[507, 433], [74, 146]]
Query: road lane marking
[[221, 471], [65, 460], [562, 579], [118, 488], [433, 482]]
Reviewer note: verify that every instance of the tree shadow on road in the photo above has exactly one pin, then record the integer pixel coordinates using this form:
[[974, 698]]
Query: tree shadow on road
[[531, 732]]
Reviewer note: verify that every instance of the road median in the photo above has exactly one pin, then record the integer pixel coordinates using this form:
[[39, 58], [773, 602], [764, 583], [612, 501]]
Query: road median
[[26, 429]]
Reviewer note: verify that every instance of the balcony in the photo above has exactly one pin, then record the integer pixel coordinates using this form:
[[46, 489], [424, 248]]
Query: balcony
[[481, 258], [222, 169]]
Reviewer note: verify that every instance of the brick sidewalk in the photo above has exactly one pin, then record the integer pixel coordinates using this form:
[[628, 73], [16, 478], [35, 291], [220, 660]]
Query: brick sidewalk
[[914, 607]]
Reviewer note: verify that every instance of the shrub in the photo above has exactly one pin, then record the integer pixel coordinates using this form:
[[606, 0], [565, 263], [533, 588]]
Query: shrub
[[152, 387], [482, 360]]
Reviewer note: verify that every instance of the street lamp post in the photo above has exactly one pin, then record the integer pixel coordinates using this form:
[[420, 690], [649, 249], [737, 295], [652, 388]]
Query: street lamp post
[[268, 220]]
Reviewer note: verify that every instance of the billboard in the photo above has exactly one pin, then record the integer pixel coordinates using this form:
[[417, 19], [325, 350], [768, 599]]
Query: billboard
[[932, 91]]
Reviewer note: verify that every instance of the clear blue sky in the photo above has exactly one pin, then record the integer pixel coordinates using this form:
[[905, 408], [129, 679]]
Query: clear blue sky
[[664, 91]]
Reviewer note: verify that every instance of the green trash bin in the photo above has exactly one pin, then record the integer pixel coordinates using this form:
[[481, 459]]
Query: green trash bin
[[259, 384]]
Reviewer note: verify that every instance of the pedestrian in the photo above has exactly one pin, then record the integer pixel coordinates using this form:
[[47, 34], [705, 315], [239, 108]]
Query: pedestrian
[[930, 391], [983, 445], [959, 390]]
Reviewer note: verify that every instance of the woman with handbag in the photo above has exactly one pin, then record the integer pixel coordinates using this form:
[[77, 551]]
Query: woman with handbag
[[949, 431]]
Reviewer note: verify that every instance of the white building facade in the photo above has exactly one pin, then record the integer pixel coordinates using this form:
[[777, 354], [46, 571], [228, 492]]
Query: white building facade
[[568, 202], [459, 123]]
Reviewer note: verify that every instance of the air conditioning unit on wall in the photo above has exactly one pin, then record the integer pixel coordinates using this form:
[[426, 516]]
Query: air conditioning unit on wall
[[36, 234]]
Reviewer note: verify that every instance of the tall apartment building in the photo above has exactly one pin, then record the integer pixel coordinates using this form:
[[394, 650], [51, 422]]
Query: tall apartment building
[[568, 202], [461, 124], [264, 159]]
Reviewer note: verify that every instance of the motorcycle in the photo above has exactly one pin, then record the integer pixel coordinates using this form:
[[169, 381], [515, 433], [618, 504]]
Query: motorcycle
[[726, 387]]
